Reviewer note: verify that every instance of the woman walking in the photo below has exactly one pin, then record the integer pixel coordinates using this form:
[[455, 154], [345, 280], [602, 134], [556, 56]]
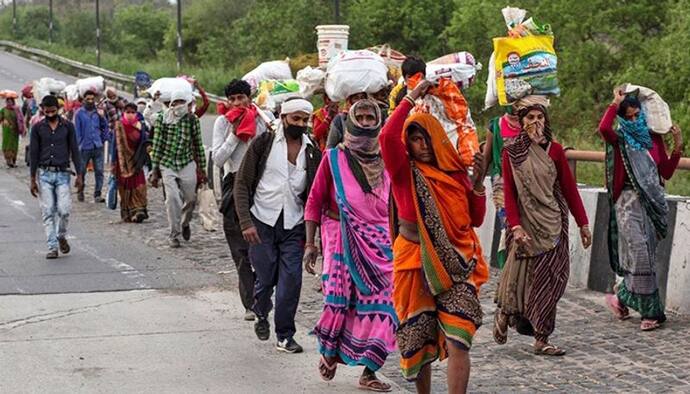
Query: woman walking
[[129, 158], [13, 126], [539, 191], [636, 162], [438, 266], [349, 200]]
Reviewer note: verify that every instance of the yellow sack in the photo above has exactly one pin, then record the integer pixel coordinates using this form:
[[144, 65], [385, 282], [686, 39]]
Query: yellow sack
[[524, 66]]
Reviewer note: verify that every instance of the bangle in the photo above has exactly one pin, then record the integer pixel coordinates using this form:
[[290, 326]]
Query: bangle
[[515, 227], [309, 245], [409, 99]]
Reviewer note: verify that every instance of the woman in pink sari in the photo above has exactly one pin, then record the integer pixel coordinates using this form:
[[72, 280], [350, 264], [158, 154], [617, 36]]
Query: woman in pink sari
[[349, 200]]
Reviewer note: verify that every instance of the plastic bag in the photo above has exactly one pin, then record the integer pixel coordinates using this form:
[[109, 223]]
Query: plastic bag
[[656, 109], [276, 70], [47, 86], [446, 102], [460, 67], [311, 81], [273, 93], [95, 84], [524, 66], [166, 86], [72, 92], [491, 97], [112, 192], [208, 209], [354, 72]]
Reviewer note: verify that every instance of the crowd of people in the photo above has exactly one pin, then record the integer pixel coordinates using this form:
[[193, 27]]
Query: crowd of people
[[379, 191]]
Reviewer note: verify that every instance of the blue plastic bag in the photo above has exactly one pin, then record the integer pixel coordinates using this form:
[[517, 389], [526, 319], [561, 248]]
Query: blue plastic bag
[[112, 192]]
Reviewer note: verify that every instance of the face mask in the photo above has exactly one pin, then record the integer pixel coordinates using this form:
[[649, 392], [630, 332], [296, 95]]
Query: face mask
[[180, 110], [131, 117], [295, 132], [141, 108], [113, 100], [52, 118], [89, 105]]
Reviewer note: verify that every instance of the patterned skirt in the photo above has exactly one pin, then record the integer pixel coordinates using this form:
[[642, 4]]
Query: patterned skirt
[[427, 322], [355, 328], [637, 244]]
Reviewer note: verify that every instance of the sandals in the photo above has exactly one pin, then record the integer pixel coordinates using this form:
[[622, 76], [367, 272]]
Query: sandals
[[620, 311], [372, 383], [500, 328], [649, 325], [549, 350], [326, 370]]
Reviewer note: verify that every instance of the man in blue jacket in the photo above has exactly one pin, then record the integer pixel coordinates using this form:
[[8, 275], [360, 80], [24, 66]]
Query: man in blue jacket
[[92, 132]]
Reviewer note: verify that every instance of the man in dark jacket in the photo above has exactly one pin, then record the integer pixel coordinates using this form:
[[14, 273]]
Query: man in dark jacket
[[53, 144], [270, 191]]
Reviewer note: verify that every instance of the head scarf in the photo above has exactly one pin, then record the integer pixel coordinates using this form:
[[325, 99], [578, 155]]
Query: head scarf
[[171, 115], [636, 132], [296, 105], [447, 157], [519, 148], [361, 146], [529, 101]]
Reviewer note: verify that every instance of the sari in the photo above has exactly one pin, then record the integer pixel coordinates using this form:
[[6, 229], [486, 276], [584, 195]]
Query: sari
[[637, 221], [128, 161], [13, 126], [502, 134], [358, 322], [436, 281], [535, 276]]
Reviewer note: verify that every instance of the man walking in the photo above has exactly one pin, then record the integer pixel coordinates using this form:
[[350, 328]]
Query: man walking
[[92, 131], [271, 189], [53, 141], [232, 133], [178, 159]]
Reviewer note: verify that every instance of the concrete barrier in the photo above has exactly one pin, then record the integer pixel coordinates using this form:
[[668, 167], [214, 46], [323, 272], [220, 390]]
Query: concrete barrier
[[590, 268]]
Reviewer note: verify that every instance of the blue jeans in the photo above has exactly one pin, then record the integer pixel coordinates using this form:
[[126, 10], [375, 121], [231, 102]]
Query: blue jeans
[[96, 156], [277, 261], [56, 203]]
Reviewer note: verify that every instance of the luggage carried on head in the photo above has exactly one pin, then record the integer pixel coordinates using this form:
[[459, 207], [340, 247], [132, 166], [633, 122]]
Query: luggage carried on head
[[352, 72], [278, 70], [167, 86]]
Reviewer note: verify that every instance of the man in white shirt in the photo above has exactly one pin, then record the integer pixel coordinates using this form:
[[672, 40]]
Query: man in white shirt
[[270, 191], [228, 151]]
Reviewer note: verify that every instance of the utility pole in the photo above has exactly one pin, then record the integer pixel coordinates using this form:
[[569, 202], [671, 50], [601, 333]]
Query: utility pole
[[14, 18], [337, 12], [50, 24], [98, 34], [179, 34]]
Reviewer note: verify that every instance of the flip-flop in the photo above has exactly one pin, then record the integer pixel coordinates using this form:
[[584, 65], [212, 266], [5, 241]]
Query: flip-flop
[[500, 333], [374, 384], [549, 350], [649, 325], [618, 310], [330, 369]]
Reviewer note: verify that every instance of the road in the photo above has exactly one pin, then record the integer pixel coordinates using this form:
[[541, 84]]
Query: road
[[124, 313]]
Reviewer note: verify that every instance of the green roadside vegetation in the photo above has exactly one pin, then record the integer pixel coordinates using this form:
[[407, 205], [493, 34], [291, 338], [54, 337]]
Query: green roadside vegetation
[[599, 44]]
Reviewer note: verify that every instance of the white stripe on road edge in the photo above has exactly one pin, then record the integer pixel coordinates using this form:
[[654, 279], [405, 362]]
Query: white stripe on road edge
[[124, 268], [18, 205]]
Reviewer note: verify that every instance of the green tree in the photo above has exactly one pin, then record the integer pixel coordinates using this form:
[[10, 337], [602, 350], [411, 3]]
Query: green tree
[[139, 30]]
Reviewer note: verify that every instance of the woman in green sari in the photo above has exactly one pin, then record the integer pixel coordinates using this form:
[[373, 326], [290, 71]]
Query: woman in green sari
[[12, 122], [636, 166]]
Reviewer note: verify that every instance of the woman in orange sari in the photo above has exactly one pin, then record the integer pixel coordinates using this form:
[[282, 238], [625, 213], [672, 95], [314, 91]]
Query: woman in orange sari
[[128, 162], [437, 260]]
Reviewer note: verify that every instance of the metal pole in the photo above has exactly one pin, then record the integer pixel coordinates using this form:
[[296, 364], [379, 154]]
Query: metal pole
[[50, 24], [14, 17], [337, 12], [98, 34], [179, 34]]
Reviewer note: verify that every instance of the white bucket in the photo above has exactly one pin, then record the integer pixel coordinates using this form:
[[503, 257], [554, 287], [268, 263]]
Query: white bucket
[[332, 39]]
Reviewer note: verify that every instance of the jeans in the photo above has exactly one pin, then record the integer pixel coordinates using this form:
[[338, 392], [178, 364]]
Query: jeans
[[277, 261], [56, 204], [96, 156], [180, 196]]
